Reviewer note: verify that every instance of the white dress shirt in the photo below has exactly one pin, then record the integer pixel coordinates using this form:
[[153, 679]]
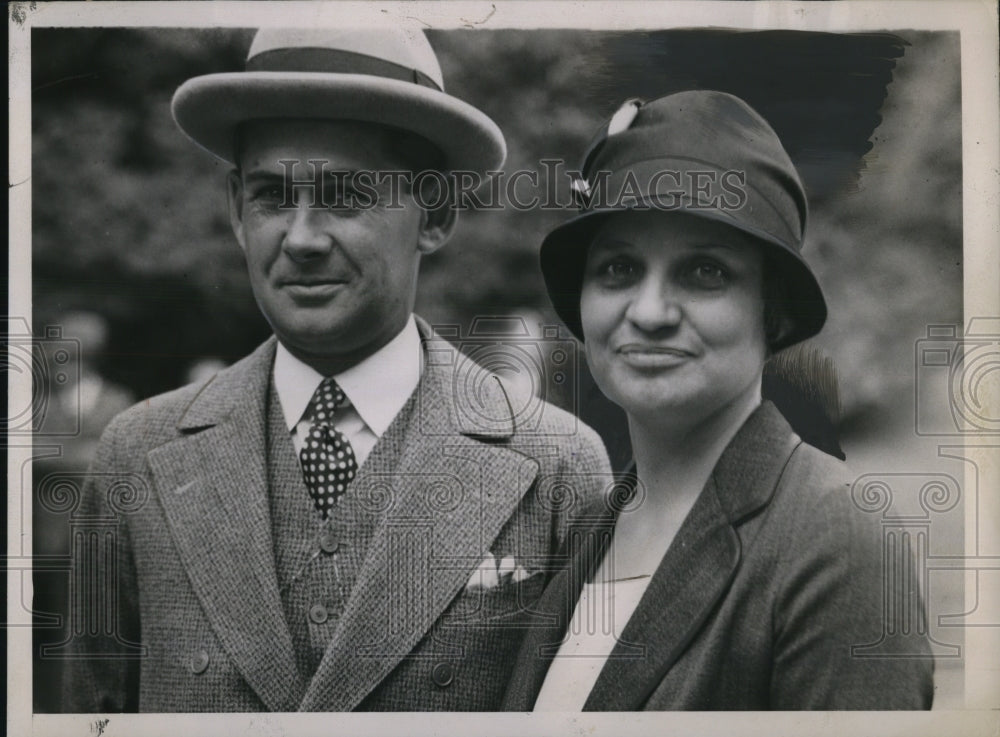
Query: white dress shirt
[[376, 390]]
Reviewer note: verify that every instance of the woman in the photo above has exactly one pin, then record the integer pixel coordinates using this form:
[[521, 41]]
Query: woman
[[735, 573]]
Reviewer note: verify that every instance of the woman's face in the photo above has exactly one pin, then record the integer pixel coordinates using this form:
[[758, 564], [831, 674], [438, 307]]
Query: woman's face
[[672, 309]]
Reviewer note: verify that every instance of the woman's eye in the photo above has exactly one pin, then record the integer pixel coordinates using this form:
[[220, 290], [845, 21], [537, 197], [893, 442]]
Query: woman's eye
[[616, 270], [709, 275], [619, 269]]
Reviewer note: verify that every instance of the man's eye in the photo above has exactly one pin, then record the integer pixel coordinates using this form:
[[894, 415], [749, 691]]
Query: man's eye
[[270, 194], [349, 199], [359, 199]]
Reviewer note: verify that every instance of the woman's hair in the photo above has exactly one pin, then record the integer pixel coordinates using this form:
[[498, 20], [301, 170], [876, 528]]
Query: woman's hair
[[802, 382], [777, 318]]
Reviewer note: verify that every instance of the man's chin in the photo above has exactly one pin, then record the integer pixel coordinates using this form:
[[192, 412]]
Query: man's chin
[[328, 344], [330, 350]]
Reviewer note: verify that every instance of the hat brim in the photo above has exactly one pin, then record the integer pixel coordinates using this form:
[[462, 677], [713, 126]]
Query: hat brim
[[563, 257], [208, 110]]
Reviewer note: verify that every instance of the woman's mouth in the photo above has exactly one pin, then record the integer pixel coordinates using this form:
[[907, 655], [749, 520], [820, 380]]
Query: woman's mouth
[[653, 356]]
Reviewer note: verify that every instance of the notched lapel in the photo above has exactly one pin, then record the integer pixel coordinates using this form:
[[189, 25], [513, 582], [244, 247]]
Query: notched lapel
[[441, 508], [212, 485], [700, 564]]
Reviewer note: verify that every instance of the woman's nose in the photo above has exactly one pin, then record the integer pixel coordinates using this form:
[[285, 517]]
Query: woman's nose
[[654, 306]]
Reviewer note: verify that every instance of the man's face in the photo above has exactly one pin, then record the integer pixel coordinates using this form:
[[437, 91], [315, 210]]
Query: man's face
[[335, 283]]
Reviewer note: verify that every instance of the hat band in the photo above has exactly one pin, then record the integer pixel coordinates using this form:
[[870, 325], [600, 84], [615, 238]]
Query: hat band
[[335, 61], [760, 201]]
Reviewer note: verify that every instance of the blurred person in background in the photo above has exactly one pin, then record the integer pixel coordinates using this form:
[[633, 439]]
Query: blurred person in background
[[204, 369], [73, 407], [734, 572], [324, 525], [77, 395], [77, 403]]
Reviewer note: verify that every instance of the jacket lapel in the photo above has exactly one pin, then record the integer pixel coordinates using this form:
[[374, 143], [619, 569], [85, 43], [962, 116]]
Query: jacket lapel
[[212, 484], [444, 503], [693, 575], [587, 539], [699, 565]]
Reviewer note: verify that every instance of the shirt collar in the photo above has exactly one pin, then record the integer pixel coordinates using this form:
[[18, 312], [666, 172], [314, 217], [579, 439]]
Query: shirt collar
[[377, 388]]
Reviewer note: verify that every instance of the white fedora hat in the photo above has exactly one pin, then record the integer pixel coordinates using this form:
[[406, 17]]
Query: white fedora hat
[[386, 76]]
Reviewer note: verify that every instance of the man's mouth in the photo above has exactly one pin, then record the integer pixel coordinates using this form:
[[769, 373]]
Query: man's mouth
[[312, 288]]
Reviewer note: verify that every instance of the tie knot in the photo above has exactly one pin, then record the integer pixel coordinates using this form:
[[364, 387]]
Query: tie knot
[[327, 397]]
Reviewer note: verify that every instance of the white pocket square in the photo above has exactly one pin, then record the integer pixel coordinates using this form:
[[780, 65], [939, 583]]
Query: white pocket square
[[506, 568], [520, 574], [492, 573], [485, 576]]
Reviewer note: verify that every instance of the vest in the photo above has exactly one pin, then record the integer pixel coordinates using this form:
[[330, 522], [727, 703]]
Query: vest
[[317, 561]]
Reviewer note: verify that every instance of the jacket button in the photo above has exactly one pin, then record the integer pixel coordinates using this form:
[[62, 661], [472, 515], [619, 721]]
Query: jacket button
[[443, 674], [318, 613], [328, 542], [199, 662]]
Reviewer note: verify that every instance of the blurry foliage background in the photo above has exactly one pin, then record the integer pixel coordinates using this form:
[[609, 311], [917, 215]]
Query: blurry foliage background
[[129, 218]]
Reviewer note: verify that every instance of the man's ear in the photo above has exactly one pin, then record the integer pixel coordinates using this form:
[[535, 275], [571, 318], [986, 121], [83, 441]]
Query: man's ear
[[436, 227], [234, 193]]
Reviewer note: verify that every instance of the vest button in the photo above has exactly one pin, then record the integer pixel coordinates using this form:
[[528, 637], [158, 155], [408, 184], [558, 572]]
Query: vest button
[[318, 613], [328, 542], [199, 662], [443, 674]]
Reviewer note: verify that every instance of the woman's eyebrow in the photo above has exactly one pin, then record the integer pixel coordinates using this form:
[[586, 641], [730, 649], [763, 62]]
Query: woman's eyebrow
[[717, 246], [609, 245]]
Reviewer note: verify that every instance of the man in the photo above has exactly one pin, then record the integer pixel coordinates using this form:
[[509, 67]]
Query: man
[[335, 522]]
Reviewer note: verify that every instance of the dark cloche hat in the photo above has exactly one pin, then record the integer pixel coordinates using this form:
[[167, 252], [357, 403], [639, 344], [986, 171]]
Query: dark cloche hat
[[700, 152]]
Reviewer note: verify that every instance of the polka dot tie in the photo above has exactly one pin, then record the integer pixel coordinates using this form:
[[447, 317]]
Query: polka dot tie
[[328, 462]]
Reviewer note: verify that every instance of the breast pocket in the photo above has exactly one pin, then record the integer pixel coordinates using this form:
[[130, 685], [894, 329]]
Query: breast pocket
[[484, 606]]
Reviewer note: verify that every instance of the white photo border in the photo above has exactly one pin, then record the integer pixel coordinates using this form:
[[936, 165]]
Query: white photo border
[[977, 24]]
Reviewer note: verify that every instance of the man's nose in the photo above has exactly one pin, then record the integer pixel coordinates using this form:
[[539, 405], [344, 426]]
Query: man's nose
[[306, 237], [654, 306]]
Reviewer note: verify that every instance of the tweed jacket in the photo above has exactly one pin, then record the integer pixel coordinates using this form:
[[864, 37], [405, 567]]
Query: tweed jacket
[[773, 578], [188, 614]]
